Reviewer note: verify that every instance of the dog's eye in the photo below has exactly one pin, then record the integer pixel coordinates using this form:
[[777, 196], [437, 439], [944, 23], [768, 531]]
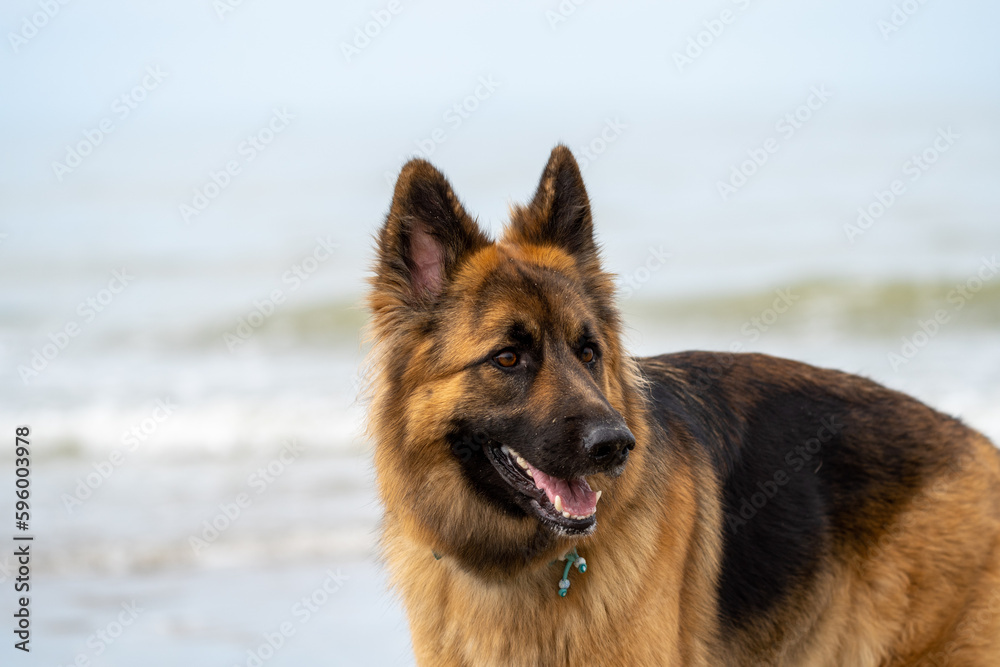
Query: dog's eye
[[587, 355], [507, 359]]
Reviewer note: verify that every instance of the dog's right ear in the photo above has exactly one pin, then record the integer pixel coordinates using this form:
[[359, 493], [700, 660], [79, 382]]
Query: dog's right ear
[[425, 237], [559, 213]]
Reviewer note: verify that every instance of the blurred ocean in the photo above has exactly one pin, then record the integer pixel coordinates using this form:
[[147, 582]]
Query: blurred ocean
[[217, 348]]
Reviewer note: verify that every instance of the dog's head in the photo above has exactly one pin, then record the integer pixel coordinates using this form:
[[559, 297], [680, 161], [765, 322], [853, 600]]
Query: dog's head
[[501, 402]]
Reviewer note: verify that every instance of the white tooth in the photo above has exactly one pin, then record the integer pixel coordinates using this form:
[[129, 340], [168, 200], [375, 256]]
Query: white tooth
[[530, 474], [521, 462], [505, 449], [566, 514], [599, 496], [558, 503]]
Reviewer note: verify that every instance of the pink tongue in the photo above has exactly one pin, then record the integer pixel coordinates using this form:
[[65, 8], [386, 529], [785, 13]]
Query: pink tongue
[[577, 496]]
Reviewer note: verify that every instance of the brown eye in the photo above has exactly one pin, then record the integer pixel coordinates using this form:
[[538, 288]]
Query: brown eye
[[507, 359], [587, 355]]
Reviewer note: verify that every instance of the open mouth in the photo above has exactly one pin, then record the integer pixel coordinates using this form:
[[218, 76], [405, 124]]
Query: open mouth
[[568, 505]]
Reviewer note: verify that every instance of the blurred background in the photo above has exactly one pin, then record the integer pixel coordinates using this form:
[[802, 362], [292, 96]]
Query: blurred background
[[188, 193]]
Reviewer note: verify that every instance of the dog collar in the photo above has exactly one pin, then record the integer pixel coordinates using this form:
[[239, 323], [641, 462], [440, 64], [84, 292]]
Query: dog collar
[[572, 558]]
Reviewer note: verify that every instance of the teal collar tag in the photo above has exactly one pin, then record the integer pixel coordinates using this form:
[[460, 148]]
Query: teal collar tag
[[572, 558]]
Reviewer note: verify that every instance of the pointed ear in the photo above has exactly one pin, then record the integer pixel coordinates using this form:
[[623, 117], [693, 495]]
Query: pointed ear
[[425, 237], [559, 214]]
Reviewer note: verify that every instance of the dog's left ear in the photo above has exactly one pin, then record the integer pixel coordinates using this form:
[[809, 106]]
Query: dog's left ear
[[559, 214], [426, 236]]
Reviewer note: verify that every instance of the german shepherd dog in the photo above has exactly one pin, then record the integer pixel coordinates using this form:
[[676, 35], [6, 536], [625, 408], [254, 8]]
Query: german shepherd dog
[[550, 500]]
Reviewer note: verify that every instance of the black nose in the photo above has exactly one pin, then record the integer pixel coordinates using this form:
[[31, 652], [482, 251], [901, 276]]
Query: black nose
[[608, 444]]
